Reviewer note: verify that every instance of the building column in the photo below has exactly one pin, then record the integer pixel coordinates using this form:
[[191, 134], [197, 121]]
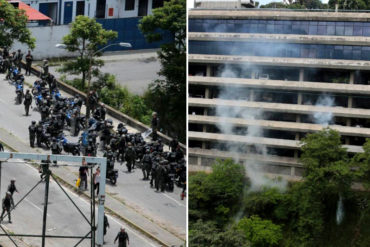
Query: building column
[[299, 102], [292, 171], [350, 102], [206, 96]]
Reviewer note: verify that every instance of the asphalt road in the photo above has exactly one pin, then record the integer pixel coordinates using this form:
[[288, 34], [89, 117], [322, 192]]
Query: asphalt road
[[165, 209], [134, 71], [62, 217]]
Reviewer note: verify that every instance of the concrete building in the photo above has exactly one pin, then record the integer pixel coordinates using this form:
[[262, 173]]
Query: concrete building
[[65, 11], [260, 80]]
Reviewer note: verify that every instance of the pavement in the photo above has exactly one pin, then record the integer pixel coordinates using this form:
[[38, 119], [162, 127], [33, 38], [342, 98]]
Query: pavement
[[162, 216], [133, 70], [62, 217]]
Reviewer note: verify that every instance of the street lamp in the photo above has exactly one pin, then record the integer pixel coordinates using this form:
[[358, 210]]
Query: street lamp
[[91, 55]]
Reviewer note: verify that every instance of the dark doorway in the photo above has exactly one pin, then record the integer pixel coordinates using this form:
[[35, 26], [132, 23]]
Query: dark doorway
[[68, 7], [143, 7], [80, 9], [100, 8]]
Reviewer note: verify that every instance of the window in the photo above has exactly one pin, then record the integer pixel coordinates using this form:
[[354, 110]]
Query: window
[[130, 5]]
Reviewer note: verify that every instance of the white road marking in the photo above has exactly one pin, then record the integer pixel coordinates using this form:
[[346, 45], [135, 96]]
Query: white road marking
[[178, 203], [113, 219], [42, 211]]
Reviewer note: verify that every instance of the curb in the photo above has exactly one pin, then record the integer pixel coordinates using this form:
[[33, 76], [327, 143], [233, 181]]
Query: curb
[[74, 189]]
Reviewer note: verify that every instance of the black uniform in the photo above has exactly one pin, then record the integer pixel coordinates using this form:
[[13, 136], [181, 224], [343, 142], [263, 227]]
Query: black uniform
[[29, 60], [32, 133], [6, 207], [147, 165], [106, 224], [160, 178], [27, 102], [122, 239], [12, 189], [39, 130], [155, 123], [18, 60], [130, 157]]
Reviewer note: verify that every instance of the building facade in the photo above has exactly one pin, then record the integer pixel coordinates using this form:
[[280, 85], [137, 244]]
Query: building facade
[[65, 11], [259, 81]]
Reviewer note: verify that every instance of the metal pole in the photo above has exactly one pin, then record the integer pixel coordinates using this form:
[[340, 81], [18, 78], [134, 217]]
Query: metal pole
[[87, 95], [0, 176], [47, 178], [92, 204], [101, 198]]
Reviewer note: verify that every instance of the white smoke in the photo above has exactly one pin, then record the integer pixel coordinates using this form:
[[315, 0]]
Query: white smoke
[[340, 211], [253, 167], [324, 118]]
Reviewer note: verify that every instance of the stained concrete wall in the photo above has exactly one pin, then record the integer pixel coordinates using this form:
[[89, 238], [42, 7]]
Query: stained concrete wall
[[46, 39], [280, 38]]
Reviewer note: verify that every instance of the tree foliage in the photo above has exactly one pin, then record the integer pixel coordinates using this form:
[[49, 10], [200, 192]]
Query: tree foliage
[[113, 94], [301, 4], [208, 234], [350, 4], [13, 26], [217, 195], [168, 96], [85, 38], [326, 163], [260, 232], [304, 214]]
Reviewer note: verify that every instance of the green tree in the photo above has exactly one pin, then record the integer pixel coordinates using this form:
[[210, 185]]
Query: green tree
[[168, 96], [217, 195], [326, 163], [208, 234], [85, 38], [260, 232], [274, 5], [13, 26], [349, 4]]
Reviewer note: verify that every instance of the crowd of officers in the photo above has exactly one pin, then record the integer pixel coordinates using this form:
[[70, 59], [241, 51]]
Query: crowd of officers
[[161, 168]]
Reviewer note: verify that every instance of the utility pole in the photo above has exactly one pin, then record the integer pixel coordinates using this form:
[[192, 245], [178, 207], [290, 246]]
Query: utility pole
[[45, 169]]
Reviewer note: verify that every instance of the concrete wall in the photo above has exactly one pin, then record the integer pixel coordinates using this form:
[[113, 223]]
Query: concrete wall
[[46, 39]]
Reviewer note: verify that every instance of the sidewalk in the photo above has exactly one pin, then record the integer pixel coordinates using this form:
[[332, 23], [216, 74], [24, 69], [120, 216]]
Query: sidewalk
[[118, 209]]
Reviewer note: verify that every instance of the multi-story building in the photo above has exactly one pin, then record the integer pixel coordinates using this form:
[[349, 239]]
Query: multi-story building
[[65, 11], [260, 80]]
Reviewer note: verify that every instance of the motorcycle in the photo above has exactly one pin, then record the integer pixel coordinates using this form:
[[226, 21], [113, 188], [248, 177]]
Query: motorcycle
[[13, 73], [112, 175], [73, 148]]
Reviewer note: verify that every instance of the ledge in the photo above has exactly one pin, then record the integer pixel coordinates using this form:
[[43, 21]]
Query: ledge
[[279, 125], [282, 85], [278, 15], [281, 107], [270, 142], [281, 38], [280, 61]]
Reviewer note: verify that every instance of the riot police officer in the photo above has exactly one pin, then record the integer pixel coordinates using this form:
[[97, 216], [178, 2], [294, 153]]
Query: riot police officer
[[130, 156], [27, 101], [55, 148], [39, 130], [147, 164], [32, 133], [154, 125], [160, 179]]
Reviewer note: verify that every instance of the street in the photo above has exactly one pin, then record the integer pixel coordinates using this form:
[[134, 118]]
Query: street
[[132, 70], [164, 209], [62, 219]]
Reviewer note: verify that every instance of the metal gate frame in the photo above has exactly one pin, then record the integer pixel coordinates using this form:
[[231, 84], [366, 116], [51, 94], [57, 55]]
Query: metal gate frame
[[101, 161]]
